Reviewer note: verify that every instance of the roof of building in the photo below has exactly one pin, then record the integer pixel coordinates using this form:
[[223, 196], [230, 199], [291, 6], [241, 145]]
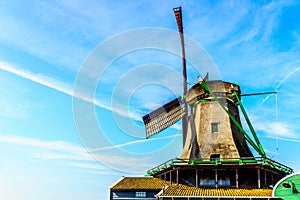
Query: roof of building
[[184, 190], [139, 183], [150, 184]]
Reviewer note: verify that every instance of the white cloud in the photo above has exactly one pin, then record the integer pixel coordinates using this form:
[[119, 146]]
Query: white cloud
[[58, 151], [49, 145], [273, 129], [76, 156]]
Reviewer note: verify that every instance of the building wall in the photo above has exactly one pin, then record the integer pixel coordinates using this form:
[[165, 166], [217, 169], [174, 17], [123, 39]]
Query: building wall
[[131, 195], [218, 198], [221, 142], [239, 138]]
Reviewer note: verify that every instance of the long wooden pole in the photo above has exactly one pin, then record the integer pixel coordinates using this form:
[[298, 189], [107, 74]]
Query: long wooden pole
[[178, 15]]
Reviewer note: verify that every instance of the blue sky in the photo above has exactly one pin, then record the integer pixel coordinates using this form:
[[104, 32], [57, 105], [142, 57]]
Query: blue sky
[[61, 137]]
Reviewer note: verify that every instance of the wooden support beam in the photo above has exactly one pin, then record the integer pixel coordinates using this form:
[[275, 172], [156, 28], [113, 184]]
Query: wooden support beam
[[258, 178], [266, 183], [216, 178], [177, 177], [272, 179], [236, 178], [197, 179]]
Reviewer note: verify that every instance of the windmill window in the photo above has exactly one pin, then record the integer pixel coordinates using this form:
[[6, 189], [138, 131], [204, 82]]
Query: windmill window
[[214, 157], [140, 194], [214, 127]]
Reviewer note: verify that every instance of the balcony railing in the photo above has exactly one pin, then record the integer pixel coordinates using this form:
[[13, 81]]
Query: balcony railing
[[235, 161]]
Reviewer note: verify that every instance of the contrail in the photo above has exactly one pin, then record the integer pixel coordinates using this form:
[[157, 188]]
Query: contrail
[[38, 78], [281, 82], [132, 142], [67, 89], [283, 139], [286, 77], [61, 87]]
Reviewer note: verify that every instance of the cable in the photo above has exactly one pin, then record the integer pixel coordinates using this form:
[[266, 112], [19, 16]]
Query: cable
[[276, 121]]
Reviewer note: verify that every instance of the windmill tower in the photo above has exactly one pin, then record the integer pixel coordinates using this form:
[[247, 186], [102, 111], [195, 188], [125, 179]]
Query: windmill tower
[[215, 145], [211, 133], [206, 111]]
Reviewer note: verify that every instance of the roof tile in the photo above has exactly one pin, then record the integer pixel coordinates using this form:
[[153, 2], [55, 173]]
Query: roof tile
[[139, 183]]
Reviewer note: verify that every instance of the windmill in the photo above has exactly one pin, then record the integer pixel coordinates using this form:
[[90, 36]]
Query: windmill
[[215, 146], [211, 126]]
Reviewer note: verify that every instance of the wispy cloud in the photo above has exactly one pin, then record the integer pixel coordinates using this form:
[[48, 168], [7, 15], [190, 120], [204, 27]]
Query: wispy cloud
[[81, 27], [279, 129], [284, 139], [276, 129], [259, 22], [38, 78], [133, 142], [287, 76], [67, 89], [58, 151], [73, 155], [64, 88], [51, 146], [99, 161]]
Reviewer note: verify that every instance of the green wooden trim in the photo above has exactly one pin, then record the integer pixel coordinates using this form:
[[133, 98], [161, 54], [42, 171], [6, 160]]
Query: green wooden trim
[[261, 150], [248, 138]]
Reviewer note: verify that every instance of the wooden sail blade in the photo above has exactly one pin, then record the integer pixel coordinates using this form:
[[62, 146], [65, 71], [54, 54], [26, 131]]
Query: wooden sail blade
[[163, 117], [178, 16]]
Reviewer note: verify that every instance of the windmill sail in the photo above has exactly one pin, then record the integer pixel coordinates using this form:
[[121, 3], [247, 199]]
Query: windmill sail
[[178, 16], [163, 117]]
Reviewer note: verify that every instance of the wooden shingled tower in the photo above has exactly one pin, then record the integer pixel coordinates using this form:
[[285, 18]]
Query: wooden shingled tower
[[211, 134]]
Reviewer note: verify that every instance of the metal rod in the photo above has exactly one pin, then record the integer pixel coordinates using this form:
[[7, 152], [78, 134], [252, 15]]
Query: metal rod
[[260, 93]]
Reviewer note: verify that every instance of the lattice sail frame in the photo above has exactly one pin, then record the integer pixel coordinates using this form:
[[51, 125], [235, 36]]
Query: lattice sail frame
[[163, 117]]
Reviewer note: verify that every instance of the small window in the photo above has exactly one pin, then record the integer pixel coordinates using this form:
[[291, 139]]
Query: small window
[[214, 127], [215, 157], [140, 194]]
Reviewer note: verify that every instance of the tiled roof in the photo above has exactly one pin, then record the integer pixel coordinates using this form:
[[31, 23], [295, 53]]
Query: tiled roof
[[142, 183], [183, 190], [150, 183]]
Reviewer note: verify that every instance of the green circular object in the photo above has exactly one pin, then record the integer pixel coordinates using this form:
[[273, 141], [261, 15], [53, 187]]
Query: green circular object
[[288, 188]]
